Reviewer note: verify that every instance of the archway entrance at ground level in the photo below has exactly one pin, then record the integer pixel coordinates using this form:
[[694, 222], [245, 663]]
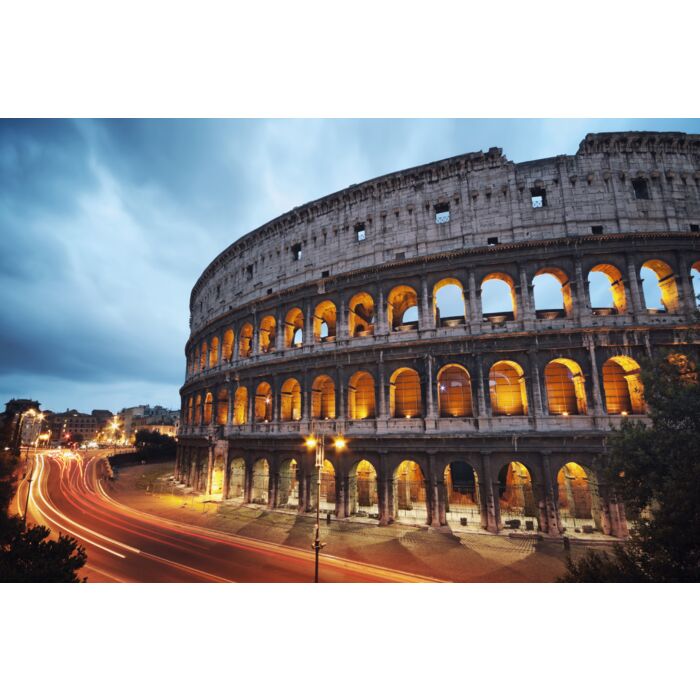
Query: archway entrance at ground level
[[409, 493], [575, 498], [362, 490], [328, 496], [236, 484], [216, 486], [516, 500], [260, 482], [288, 485], [462, 495]]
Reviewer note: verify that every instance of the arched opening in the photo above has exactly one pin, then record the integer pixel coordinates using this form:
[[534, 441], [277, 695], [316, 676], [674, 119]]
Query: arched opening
[[462, 499], [267, 334], [659, 285], [222, 407], [574, 498], [263, 403], [245, 340], [291, 400], [695, 282], [208, 402], [361, 396], [294, 328], [566, 391], [240, 406], [552, 293], [498, 300], [324, 322], [328, 496], [606, 290], [198, 410], [260, 482], [363, 492], [405, 394], [454, 392], [216, 486], [323, 398], [191, 364], [214, 352], [361, 315], [236, 488], [227, 346], [409, 492], [624, 393], [448, 303], [288, 485], [190, 411], [402, 309], [204, 354], [197, 365], [507, 389], [516, 500]]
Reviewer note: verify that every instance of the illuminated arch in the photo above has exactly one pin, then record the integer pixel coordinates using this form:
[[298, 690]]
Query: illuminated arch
[[323, 397], [566, 391], [361, 396], [574, 495], [240, 406], [203, 356], [552, 290], [409, 491], [498, 295], [263, 403], [267, 333], [507, 389], [606, 289], [449, 308], [260, 482], [198, 410], [361, 315], [402, 306], [328, 492], [245, 340], [190, 411], [454, 391], [214, 352], [324, 324], [363, 491], [294, 328], [290, 401], [227, 346], [405, 394], [462, 499], [196, 366], [236, 487], [516, 499], [659, 281], [624, 392], [288, 484], [208, 401], [222, 407]]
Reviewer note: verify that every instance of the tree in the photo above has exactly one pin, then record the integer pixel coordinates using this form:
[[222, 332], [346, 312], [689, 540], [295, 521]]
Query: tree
[[656, 472], [27, 554]]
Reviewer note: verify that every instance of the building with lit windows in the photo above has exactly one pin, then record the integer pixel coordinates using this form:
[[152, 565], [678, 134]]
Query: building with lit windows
[[472, 327]]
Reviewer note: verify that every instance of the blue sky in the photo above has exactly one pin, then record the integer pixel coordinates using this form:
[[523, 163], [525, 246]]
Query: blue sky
[[106, 225]]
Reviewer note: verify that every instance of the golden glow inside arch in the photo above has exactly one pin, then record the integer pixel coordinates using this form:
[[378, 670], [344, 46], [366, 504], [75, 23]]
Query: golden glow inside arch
[[245, 340], [399, 301], [507, 389], [324, 321], [565, 385], [227, 346], [448, 302], [214, 352], [266, 340], [294, 328], [240, 406], [574, 493], [624, 392], [204, 355], [323, 398], [361, 401], [515, 490], [365, 481], [198, 410], [291, 400], [190, 411], [208, 401], [263, 403], [222, 407], [616, 289], [361, 315], [454, 392], [564, 288], [409, 485], [666, 282], [405, 394], [498, 285]]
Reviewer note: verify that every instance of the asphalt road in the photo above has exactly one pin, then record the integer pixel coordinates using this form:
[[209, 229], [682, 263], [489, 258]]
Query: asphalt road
[[70, 494]]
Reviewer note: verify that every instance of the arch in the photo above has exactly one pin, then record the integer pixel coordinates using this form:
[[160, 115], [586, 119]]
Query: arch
[[462, 498], [196, 364], [449, 308], [260, 482], [240, 406], [695, 282], [227, 346], [659, 285], [208, 405], [204, 354], [290, 400], [198, 410], [515, 496], [507, 389], [267, 332], [409, 492], [552, 291], [222, 407], [294, 328], [218, 472], [323, 397], [236, 487], [623, 388], [565, 385], [361, 396], [606, 289], [263, 403], [328, 490], [405, 394], [245, 340], [288, 484], [498, 295], [402, 306], [574, 497], [190, 411], [454, 392], [214, 351], [324, 325], [361, 315], [363, 493]]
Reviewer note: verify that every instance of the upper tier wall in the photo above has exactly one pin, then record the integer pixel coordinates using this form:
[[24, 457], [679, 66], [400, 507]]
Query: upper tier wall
[[487, 195]]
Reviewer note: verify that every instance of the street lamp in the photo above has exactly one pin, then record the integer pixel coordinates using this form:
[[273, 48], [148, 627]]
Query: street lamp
[[319, 444]]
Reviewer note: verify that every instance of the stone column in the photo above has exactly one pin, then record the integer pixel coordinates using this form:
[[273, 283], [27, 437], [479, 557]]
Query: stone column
[[383, 414], [251, 407], [580, 298], [480, 387], [236, 353], [429, 389], [526, 312], [279, 333], [308, 324], [210, 467], [341, 325], [598, 405], [385, 492], [535, 383], [340, 409], [381, 328], [490, 507], [427, 317], [688, 301], [634, 284], [549, 510], [231, 398], [474, 308]]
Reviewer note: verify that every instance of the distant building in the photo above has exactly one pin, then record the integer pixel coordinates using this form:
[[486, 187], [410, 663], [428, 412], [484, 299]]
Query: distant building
[[20, 415], [149, 418], [71, 422]]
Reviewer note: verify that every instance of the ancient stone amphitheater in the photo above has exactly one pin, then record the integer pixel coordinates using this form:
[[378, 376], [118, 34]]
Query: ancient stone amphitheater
[[470, 329]]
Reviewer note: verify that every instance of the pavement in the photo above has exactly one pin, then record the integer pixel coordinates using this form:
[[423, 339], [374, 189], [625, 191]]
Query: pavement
[[452, 556]]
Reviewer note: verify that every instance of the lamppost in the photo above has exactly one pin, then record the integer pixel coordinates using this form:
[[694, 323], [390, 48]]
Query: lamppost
[[319, 444]]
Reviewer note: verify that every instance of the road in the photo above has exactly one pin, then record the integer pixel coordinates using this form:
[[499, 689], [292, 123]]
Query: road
[[68, 493]]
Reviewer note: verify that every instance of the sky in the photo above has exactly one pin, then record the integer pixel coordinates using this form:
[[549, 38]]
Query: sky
[[105, 226]]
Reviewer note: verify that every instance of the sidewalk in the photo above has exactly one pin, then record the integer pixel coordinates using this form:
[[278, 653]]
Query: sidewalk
[[459, 556]]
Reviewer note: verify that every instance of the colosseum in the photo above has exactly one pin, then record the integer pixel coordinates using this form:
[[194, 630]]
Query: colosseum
[[461, 335]]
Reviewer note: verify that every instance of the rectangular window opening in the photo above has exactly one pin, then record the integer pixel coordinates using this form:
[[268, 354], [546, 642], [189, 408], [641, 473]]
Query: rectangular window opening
[[249, 272], [492, 241], [360, 232], [641, 188], [442, 213], [538, 197], [296, 251], [596, 229], [325, 273], [695, 228]]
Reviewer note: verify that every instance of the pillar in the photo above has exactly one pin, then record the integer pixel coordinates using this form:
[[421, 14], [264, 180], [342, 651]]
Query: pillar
[[381, 328], [341, 322], [490, 507], [427, 318], [279, 333], [429, 389], [598, 405], [535, 384], [549, 510], [633, 282], [308, 324], [383, 414]]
